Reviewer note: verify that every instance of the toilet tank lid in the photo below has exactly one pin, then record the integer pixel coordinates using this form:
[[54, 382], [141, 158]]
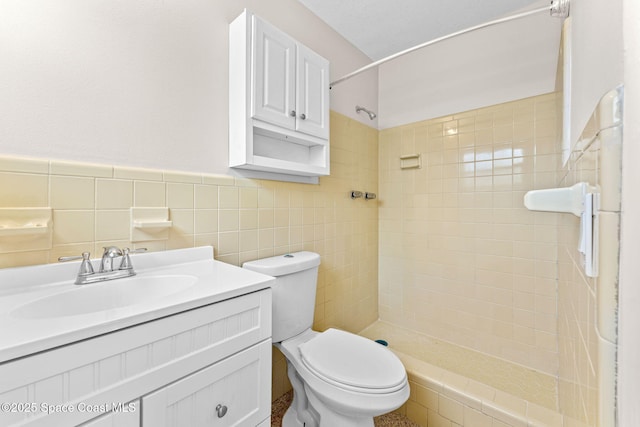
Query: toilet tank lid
[[284, 264]]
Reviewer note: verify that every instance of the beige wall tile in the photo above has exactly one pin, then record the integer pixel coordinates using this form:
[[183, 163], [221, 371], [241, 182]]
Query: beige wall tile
[[474, 418], [205, 221], [228, 198], [436, 420], [113, 225], [68, 192], [114, 194], [248, 219], [265, 238], [23, 190], [265, 198], [206, 196], [228, 243], [180, 196], [183, 221], [451, 409], [19, 259], [228, 220], [248, 198], [148, 194], [172, 176], [218, 179], [137, 174], [73, 226], [417, 413], [178, 240], [25, 165], [472, 217], [424, 396], [207, 239], [248, 241], [58, 167]]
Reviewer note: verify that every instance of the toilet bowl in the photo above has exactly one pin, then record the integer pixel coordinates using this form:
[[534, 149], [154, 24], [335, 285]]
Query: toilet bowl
[[347, 379], [339, 379]]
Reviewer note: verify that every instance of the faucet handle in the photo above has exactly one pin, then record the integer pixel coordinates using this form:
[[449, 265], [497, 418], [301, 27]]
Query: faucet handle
[[125, 264], [85, 267], [126, 261]]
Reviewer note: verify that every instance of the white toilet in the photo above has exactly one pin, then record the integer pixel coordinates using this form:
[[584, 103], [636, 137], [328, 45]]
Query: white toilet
[[339, 379]]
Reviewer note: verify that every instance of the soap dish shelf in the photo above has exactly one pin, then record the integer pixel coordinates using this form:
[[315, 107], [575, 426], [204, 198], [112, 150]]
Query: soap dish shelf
[[152, 224], [23, 230], [25, 221]]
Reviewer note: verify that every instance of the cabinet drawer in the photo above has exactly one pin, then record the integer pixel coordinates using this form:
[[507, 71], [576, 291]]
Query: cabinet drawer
[[127, 415], [123, 365], [232, 392]]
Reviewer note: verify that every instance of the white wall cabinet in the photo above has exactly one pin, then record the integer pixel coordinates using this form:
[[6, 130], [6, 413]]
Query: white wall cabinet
[[278, 101], [180, 367]]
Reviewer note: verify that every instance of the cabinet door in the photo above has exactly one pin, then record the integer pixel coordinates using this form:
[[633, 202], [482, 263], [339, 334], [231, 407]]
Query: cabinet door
[[273, 88], [233, 392], [312, 93]]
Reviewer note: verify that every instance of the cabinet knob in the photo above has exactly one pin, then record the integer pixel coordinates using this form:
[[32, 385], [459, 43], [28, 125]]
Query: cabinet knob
[[303, 116], [292, 113], [221, 410]]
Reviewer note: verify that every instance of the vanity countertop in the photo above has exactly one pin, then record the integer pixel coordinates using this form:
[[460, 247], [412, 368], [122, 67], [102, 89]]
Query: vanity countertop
[[210, 281]]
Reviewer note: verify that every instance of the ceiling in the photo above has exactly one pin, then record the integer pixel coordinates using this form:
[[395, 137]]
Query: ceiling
[[383, 27]]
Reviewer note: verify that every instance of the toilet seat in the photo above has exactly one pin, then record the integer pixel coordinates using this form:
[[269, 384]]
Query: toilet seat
[[353, 363]]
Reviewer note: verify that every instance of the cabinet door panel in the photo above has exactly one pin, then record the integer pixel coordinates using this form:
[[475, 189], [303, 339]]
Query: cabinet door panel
[[273, 90], [312, 100], [241, 383]]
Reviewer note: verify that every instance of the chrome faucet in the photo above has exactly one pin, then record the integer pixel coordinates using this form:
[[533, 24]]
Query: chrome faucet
[[87, 275], [110, 252]]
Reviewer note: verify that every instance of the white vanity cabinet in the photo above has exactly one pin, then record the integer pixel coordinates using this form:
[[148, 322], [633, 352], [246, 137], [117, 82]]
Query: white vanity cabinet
[[233, 389], [278, 101], [170, 371], [127, 415]]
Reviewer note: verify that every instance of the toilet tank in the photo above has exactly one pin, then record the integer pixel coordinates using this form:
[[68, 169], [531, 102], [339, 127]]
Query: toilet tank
[[294, 291]]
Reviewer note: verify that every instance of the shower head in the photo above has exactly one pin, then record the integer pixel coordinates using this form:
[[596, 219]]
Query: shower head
[[371, 114]]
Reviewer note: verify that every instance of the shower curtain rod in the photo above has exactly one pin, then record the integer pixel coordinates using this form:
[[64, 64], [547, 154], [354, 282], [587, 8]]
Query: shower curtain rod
[[553, 8]]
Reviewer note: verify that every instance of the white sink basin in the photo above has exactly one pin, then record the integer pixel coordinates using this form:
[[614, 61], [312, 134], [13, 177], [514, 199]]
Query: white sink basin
[[104, 296]]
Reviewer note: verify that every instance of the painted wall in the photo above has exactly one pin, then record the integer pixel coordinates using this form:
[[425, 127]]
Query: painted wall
[[597, 57], [461, 258], [511, 61], [629, 297], [140, 83]]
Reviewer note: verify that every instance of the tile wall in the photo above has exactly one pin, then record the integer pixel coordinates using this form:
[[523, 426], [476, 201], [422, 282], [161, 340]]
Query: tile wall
[[587, 306], [461, 259], [243, 219], [443, 399]]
